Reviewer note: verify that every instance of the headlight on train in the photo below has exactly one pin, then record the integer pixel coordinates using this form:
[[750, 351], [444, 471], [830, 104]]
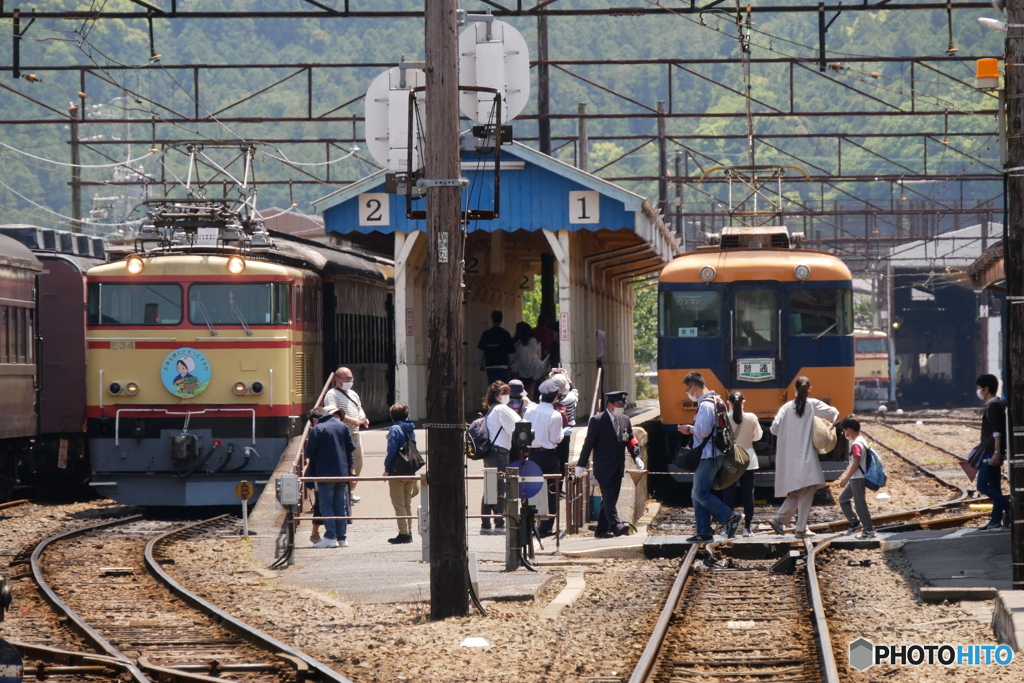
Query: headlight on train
[[239, 388], [135, 265], [236, 264], [257, 388], [114, 388], [131, 388], [802, 272], [707, 273]]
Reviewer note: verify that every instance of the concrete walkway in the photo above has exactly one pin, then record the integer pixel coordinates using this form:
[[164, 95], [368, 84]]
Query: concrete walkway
[[371, 570]]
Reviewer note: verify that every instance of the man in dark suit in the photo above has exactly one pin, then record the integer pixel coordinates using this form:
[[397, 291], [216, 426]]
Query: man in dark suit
[[609, 436]]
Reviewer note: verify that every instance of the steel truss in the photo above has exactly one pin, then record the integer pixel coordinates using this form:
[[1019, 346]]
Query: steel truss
[[841, 226]]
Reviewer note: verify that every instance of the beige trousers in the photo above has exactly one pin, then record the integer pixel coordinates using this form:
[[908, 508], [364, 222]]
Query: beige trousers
[[402, 493], [357, 454], [798, 501]]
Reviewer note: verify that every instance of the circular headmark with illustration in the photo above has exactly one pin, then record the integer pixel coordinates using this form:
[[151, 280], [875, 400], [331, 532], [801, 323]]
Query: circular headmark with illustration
[[185, 372]]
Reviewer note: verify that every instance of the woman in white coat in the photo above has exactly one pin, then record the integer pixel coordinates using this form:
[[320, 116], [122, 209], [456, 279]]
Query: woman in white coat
[[746, 430], [797, 468]]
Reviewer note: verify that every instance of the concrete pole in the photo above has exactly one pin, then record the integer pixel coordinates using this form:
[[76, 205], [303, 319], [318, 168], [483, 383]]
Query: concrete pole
[[583, 140], [1013, 249], [76, 171]]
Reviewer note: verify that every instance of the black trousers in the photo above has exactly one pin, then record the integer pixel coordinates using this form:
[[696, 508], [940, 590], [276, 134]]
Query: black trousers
[[608, 520], [547, 460]]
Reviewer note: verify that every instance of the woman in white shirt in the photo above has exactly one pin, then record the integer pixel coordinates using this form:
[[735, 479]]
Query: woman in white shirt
[[748, 432], [501, 422]]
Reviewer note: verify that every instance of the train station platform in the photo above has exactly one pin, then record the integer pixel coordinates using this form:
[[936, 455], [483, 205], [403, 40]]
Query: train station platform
[[370, 570]]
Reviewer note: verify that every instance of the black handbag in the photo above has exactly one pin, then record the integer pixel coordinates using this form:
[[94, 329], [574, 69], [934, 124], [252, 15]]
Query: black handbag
[[688, 459]]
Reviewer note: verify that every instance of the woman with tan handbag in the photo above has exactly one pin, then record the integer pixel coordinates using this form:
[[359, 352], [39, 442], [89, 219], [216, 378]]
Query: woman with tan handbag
[[797, 468]]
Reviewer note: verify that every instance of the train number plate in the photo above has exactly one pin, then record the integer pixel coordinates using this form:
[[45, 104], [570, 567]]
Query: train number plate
[[755, 369], [121, 345]]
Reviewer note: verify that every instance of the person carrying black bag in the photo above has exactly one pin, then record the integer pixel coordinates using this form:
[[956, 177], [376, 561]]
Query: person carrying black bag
[[402, 491]]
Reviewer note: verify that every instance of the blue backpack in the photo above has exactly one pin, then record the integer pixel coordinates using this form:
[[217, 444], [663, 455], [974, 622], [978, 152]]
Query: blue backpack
[[874, 474]]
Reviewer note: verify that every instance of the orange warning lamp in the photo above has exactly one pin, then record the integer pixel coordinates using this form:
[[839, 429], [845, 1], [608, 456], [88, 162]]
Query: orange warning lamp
[[987, 74]]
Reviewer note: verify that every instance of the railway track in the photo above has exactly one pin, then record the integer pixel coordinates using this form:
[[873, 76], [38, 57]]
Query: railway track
[[134, 622], [728, 620]]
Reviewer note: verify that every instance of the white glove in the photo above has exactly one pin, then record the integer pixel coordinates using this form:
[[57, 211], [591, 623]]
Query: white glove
[[639, 464], [567, 432], [580, 472]]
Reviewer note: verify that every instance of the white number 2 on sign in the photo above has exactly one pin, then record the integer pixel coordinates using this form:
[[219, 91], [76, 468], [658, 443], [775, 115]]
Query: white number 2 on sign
[[584, 207], [374, 209]]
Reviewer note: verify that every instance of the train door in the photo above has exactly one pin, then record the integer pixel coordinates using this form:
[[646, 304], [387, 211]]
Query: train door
[[755, 332]]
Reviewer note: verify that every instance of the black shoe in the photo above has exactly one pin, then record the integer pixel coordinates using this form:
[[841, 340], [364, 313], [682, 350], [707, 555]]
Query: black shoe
[[700, 539], [401, 538], [544, 533], [622, 530], [733, 524], [603, 534]]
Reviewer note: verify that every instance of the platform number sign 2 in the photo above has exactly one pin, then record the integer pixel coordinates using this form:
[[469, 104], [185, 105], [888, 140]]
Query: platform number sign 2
[[374, 209], [584, 207]]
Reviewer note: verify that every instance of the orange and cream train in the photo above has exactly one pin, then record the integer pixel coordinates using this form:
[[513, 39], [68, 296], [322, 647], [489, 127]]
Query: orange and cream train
[[752, 312], [204, 352]]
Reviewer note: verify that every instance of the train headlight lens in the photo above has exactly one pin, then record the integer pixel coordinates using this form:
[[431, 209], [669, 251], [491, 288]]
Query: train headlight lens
[[707, 273], [802, 272], [114, 388], [236, 264], [239, 388], [256, 388], [131, 388], [135, 265]]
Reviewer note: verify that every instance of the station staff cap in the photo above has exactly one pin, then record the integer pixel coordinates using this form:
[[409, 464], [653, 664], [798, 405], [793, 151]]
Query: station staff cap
[[615, 397]]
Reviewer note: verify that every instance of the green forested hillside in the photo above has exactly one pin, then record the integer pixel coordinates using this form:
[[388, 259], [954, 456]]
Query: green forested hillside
[[107, 44]]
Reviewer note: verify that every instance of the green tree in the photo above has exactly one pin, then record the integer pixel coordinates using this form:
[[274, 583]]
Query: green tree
[[645, 327], [531, 302]]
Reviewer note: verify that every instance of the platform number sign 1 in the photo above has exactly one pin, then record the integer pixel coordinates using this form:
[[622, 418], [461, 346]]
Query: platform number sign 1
[[374, 209], [584, 206]]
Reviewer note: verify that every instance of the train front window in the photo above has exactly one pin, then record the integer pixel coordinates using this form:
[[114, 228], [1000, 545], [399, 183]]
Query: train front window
[[256, 303], [879, 345], [690, 314], [135, 304], [821, 312], [756, 320]]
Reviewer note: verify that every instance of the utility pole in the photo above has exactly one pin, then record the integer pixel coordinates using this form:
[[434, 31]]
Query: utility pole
[[76, 171], [1013, 262], [662, 161], [543, 85], [449, 572]]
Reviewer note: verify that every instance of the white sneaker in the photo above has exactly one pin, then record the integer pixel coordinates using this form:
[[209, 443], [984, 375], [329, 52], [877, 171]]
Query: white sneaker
[[327, 543], [343, 543], [809, 532], [356, 499], [746, 532]]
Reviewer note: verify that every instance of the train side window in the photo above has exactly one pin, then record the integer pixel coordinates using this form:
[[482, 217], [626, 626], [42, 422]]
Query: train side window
[[690, 314], [873, 345], [826, 312], [756, 320], [3, 333], [280, 304]]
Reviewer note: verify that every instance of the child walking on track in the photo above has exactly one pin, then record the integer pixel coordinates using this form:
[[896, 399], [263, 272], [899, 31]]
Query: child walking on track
[[852, 482]]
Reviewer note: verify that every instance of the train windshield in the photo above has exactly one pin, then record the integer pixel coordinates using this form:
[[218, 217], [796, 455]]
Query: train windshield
[[876, 345], [135, 304], [821, 312], [756, 320], [690, 314], [258, 303]]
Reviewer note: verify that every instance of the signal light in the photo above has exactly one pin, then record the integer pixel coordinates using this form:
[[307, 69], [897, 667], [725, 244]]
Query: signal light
[[239, 388], [236, 264], [131, 388], [256, 388], [114, 388], [707, 273]]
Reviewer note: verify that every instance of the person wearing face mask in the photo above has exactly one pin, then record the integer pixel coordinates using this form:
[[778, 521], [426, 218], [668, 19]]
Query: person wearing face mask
[[609, 436], [706, 506], [501, 423], [547, 434], [349, 405], [990, 482]]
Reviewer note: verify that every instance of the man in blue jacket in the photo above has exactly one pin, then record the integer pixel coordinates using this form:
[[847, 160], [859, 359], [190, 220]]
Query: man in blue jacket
[[329, 452]]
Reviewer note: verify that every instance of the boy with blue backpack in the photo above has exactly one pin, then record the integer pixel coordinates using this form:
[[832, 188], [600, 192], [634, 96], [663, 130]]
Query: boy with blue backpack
[[854, 483]]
